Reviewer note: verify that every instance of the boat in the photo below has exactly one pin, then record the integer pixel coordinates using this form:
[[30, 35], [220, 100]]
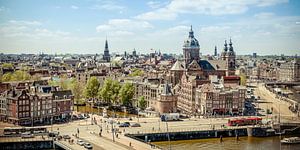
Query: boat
[[291, 140]]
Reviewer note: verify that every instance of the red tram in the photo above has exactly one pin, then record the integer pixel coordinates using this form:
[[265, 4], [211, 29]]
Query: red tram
[[244, 121]]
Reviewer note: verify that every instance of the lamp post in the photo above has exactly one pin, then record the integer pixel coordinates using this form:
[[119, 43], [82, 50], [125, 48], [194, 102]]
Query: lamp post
[[168, 135]]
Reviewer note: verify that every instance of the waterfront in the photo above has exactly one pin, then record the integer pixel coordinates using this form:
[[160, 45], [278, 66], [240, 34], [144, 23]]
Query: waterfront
[[244, 143]]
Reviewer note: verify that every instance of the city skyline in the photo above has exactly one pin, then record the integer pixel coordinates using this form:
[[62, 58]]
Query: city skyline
[[82, 26]]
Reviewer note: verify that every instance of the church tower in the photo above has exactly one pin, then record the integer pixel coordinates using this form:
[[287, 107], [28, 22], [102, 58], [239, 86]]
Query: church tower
[[230, 58], [216, 52], [191, 48], [224, 52], [106, 55]]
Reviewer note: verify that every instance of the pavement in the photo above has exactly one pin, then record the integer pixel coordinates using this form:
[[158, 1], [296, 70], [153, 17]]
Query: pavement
[[279, 106]]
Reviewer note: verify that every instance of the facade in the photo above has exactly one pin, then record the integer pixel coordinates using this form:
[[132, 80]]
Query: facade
[[215, 99], [62, 104], [19, 107], [35, 105], [106, 55], [290, 71], [193, 72], [167, 102], [193, 65]]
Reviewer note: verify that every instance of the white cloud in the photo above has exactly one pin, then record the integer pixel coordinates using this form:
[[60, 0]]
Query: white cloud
[[123, 26], [107, 5], [156, 4], [214, 7], [74, 7]]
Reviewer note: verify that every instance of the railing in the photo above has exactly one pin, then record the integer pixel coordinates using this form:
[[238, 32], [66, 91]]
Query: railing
[[170, 130], [62, 145]]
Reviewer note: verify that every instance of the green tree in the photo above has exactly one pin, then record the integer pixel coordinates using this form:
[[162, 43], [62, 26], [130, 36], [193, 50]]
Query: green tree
[[243, 79], [7, 65], [126, 94], [64, 82], [77, 90], [136, 72], [20, 76], [142, 103], [110, 91], [91, 88], [6, 77]]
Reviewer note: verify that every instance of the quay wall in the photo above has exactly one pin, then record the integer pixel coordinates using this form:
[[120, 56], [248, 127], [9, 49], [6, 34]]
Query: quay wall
[[25, 145], [173, 136]]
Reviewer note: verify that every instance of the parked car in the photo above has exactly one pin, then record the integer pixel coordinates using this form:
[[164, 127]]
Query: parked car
[[124, 125], [66, 137], [80, 142], [88, 146], [53, 134], [135, 125], [127, 123], [27, 135]]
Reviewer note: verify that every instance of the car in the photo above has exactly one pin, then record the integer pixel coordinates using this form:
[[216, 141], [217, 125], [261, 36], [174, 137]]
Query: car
[[53, 134], [124, 125], [66, 137], [135, 125], [27, 135], [127, 123], [80, 142], [88, 145]]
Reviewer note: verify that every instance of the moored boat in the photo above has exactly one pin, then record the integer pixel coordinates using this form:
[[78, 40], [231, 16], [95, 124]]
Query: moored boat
[[291, 140]]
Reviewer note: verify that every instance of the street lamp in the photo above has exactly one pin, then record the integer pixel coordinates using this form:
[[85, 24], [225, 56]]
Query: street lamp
[[168, 135]]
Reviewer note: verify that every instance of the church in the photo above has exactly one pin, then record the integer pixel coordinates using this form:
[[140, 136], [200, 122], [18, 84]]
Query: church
[[189, 74], [193, 65]]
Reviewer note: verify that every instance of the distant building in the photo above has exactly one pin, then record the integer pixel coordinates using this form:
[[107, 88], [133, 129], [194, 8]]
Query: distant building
[[290, 71], [215, 99], [106, 55], [254, 55], [216, 52]]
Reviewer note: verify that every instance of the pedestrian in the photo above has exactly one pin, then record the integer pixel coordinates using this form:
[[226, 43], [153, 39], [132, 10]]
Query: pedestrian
[[129, 144], [117, 135]]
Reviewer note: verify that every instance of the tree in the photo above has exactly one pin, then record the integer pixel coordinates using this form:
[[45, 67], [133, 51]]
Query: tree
[[7, 65], [6, 77], [142, 103], [110, 91], [126, 94], [243, 79], [91, 89], [64, 83], [77, 90], [136, 72]]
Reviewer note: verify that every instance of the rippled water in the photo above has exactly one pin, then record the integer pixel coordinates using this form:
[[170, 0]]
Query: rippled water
[[244, 143]]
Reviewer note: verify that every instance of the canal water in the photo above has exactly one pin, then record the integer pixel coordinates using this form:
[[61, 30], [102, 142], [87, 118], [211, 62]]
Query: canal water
[[244, 143]]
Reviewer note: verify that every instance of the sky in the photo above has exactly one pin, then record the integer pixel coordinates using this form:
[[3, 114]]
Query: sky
[[266, 27]]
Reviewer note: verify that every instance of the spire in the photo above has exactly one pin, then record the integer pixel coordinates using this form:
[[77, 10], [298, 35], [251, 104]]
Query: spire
[[106, 44], [191, 33], [216, 53], [225, 46], [230, 45]]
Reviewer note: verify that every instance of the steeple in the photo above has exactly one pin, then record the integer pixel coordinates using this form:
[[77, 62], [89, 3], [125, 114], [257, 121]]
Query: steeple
[[216, 51], [106, 55], [230, 45], [191, 33], [106, 45], [225, 46]]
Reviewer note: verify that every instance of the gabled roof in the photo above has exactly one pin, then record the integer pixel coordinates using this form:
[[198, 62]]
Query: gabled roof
[[218, 64], [205, 65], [177, 66]]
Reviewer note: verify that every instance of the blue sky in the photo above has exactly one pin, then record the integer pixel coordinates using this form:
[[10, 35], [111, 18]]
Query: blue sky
[[81, 26]]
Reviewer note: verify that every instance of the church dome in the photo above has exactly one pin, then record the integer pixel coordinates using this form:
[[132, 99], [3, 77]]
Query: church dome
[[191, 41]]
